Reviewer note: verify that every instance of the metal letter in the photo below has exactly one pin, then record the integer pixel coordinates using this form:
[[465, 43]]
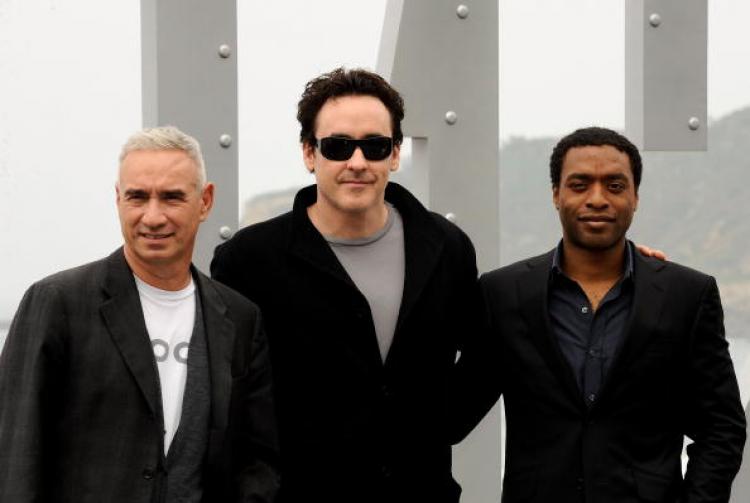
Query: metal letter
[[446, 67], [666, 79], [190, 84]]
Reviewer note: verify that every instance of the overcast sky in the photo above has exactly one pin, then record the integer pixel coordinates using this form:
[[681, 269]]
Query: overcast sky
[[70, 94]]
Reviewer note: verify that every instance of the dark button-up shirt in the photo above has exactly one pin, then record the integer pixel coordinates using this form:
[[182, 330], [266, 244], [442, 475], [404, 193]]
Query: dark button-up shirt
[[589, 339]]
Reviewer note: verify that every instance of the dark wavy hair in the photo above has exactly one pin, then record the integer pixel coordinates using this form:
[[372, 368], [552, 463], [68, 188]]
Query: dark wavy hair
[[342, 82], [594, 136]]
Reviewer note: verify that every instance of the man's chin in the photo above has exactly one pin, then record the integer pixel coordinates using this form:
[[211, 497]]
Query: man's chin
[[358, 204], [597, 243], [156, 255]]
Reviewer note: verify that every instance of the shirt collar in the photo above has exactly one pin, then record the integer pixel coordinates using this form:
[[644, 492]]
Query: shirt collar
[[627, 268]]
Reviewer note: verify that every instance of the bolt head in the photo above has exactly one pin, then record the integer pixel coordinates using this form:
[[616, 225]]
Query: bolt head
[[451, 217], [462, 11], [225, 140], [654, 19], [225, 232], [225, 51], [451, 117], [694, 123]]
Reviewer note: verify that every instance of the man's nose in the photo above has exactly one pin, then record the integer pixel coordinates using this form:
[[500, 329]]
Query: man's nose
[[153, 215], [597, 197], [357, 160]]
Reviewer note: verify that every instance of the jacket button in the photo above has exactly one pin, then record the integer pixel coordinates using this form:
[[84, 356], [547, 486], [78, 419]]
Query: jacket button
[[386, 391], [579, 483], [386, 472], [148, 473]]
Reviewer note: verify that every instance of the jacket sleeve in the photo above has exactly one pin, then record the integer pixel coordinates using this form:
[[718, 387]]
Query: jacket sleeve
[[256, 453], [716, 420], [29, 370], [227, 267]]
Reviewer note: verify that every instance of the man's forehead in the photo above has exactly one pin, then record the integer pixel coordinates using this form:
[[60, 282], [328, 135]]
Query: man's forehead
[[353, 110], [171, 166], [596, 155]]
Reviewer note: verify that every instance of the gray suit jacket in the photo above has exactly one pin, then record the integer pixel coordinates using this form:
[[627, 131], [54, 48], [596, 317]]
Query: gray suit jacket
[[80, 411]]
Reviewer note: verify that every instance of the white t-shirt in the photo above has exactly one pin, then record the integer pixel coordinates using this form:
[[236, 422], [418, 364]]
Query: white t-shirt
[[170, 316]]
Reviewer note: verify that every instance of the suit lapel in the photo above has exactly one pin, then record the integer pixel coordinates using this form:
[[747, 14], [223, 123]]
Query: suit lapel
[[220, 334], [648, 303], [423, 246], [123, 317], [307, 244], [533, 287]]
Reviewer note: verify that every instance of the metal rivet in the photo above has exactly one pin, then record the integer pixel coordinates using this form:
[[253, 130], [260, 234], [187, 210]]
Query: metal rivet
[[225, 51], [654, 20], [225, 140], [694, 123], [462, 11], [451, 217], [451, 117], [225, 232]]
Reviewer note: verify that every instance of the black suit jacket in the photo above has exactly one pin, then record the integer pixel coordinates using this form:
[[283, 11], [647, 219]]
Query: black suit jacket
[[671, 377], [80, 410], [352, 428]]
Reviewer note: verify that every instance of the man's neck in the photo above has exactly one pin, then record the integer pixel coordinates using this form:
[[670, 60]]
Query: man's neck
[[347, 225], [593, 266], [171, 277]]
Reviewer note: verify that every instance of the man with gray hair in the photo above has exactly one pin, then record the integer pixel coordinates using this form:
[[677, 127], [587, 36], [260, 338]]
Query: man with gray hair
[[136, 378]]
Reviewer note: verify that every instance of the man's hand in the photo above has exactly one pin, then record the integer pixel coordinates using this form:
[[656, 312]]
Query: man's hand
[[651, 252]]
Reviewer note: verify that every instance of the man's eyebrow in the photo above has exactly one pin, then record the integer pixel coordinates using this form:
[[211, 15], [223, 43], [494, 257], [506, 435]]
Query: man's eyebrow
[[578, 176], [172, 194], [616, 176], [365, 136], [135, 192]]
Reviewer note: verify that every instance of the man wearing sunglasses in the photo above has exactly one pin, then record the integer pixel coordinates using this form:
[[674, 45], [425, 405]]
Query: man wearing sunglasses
[[366, 296]]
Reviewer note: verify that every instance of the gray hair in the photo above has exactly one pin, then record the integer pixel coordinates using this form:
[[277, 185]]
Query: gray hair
[[167, 138]]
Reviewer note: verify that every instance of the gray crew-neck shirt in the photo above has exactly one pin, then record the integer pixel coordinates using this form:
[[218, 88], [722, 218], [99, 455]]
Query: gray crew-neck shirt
[[376, 266]]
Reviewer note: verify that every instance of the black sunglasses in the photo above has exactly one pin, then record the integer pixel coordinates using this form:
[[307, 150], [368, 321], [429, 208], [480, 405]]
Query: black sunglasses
[[337, 148]]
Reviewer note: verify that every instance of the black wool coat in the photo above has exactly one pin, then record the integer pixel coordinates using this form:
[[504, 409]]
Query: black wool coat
[[353, 428]]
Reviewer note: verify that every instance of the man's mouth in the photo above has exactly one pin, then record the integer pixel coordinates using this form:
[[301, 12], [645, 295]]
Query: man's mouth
[[356, 182], [154, 235], [596, 218]]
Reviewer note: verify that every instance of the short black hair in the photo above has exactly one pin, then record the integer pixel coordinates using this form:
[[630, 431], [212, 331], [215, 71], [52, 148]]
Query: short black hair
[[594, 136], [343, 82]]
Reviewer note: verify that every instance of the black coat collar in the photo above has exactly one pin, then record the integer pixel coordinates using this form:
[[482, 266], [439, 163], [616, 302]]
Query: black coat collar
[[424, 240]]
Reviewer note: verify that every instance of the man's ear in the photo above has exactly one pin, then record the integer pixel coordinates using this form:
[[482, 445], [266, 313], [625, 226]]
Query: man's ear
[[556, 196], [207, 200], [308, 156], [396, 158]]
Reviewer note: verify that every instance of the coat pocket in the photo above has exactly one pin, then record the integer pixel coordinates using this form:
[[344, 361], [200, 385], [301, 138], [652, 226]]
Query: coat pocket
[[651, 486], [520, 486]]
